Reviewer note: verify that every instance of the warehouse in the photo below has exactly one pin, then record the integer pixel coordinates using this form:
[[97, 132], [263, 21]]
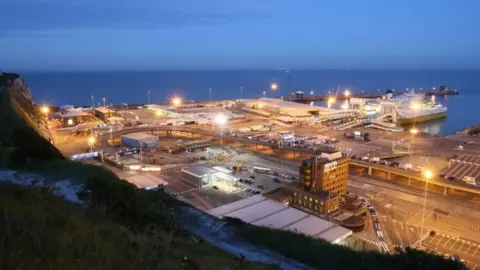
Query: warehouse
[[139, 140]]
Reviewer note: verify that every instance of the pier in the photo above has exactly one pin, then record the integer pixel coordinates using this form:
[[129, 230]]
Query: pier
[[315, 98]]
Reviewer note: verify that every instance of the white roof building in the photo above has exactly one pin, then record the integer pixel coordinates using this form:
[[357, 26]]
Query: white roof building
[[288, 108], [144, 180], [260, 211]]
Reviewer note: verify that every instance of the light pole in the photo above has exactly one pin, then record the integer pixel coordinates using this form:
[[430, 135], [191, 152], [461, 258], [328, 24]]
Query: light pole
[[104, 99], [427, 174], [149, 97], [241, 92], [210, 94], [264, 94], [221, 120], [91, 142], [414, 132], [93, 104]]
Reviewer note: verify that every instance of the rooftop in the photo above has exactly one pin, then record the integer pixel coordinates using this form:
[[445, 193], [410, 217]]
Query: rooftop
[[289, 108], [104, 110], [139, 136], [198, 171], [73, 114], [260, 211]]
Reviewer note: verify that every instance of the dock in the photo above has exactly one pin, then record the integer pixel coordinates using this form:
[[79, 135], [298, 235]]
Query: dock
[[315, 98]]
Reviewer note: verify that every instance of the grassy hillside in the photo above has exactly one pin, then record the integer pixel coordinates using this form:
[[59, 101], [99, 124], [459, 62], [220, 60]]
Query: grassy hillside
[[42, 231]]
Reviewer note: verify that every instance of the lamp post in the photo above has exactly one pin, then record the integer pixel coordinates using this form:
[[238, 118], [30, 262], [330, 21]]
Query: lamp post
[[93, 103], [428, 175], [148, 93], [91, 142], [264, 94], [241, 92], [104, 99], [221, 120], [210, 94], [414, 132]]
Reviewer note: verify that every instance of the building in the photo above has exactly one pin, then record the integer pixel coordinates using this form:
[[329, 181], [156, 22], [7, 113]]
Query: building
[[261, 211], [217, 176], [74, 117], [139, 140], [325, 172], [317, 202], [104, 113]]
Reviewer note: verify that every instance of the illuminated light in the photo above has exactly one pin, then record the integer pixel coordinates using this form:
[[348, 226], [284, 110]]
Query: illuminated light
[[331, 100], [176, 101], [274, 86], [413, 131], [135, 167], [427, 174], [416, 106], [260, 105], [70, 122], [347, 93], [221, 119], [158, 113], [433, 98], [345, 105], [311, 92], [92, 140], [45, 109]]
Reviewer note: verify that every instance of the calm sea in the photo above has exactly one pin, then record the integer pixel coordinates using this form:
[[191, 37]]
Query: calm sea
[[132, 87]]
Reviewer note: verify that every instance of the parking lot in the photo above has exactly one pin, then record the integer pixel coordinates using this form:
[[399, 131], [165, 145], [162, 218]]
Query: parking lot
[[451, 246]]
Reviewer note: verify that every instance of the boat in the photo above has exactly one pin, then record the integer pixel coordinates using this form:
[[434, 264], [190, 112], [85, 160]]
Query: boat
[[413, 108]]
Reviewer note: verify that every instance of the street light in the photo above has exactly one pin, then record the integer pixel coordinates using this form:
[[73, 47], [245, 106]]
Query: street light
[[311, 92], [273, 86], [45, 110], [104, 99], [221, 120], [428, 174], [91, 141], [176, 101], [413, 131], [330, 102], [264, 94], [347, 93]]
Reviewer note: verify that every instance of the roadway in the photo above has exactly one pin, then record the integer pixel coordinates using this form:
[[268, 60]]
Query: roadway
[[399, 211], [397, 171]]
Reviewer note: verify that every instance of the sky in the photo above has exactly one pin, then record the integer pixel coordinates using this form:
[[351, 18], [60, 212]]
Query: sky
[[73, 35]]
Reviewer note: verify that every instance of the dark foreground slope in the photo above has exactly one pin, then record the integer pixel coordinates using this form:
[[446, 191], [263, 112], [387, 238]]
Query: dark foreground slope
[[121, 227]]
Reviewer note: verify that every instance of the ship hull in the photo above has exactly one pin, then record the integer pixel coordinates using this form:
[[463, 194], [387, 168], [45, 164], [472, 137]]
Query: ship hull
[[423, 118]]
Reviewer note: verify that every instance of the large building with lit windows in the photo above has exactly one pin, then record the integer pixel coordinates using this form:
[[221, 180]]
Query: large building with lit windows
[[326, 172]]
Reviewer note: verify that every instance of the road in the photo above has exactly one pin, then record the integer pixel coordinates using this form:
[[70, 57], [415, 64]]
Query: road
[[399, 212]]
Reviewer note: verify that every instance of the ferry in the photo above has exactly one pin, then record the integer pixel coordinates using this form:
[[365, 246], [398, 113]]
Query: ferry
[[413, 108]]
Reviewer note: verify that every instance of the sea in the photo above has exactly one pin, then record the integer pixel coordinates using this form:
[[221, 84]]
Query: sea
[[135, 87]]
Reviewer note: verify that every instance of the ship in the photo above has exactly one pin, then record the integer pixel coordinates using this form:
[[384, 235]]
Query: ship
[[413, 108]]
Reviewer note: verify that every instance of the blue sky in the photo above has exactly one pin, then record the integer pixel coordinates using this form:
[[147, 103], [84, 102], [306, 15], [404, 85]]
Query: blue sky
[[242, 34]]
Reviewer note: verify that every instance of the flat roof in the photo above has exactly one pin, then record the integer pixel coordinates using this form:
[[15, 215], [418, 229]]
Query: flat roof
[[73, 114], [139, 136], [104, 110], [145, 180], [260, 211], [198, 171], [290, 108], [225, 176]]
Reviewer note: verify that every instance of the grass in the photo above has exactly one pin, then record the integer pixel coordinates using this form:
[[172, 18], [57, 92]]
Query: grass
[[41, 231]]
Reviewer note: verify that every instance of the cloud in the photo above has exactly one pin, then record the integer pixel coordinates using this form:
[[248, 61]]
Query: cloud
[[26, 16]]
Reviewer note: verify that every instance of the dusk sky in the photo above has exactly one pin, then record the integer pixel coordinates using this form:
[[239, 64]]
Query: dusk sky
[[247, 34]]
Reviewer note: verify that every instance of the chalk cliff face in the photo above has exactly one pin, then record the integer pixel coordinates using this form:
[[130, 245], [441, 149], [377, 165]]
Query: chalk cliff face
[[16, 93]]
